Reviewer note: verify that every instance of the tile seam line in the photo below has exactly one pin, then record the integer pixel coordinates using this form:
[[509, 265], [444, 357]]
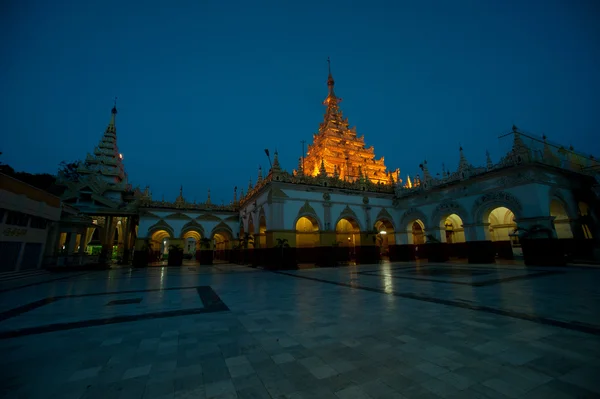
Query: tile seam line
[[580, 327]]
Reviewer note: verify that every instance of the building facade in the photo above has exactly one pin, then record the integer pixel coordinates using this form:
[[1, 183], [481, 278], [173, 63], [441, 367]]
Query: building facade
[[341, 204], [26, 217]]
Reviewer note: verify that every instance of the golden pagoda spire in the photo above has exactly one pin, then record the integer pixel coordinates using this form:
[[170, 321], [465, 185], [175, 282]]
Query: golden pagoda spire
[[208, 198], [337, 146], [331, 100]]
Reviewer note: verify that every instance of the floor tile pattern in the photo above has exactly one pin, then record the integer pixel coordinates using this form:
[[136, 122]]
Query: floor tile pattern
[[349, 332]]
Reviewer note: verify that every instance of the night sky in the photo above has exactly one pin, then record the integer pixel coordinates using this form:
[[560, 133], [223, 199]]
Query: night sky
[[204, 87]]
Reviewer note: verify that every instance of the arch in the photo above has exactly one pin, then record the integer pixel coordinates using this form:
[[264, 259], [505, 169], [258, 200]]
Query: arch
[[348, 214], [192, 227], [221, 228], [221, 242], [308, 211], [447, 208], [159, 241], [160, 225], [386, 235], [347, 232], [501, 227], [416, 232], [221, 237], [385, 215], [250, 231], [410, 216], [262, 229], [262, 221], [485, 204], [452, 226], [562, 221], [307, 232]]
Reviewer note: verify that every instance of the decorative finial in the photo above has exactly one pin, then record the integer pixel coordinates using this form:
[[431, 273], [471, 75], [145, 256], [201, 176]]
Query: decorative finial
[[114, 110], [330, 81], [181, 190]]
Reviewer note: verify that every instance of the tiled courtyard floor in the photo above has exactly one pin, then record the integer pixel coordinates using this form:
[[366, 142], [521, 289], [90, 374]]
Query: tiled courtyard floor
[[375, 331]]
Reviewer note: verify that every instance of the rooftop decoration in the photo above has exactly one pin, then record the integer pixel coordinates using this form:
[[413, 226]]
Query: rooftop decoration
[[526, 149], [336, 149]]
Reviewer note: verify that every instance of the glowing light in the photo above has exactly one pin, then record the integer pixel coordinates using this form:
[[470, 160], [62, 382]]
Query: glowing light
[[383, 232], [121, 156]]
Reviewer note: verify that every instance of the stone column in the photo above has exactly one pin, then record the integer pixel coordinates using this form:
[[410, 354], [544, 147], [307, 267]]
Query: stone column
[[126, 229], [106, 239], [539, 243], [82, 235], [72, 241], [52, 239]]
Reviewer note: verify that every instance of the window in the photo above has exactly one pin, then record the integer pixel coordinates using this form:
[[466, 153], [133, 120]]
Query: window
[[38, 223], [16, 218]]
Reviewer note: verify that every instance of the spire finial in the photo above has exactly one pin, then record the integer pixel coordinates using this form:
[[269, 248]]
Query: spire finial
[[181, 190], [114, 110], [330, 81]]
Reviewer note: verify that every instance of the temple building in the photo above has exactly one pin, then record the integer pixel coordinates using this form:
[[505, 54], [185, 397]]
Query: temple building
[[539, 202]]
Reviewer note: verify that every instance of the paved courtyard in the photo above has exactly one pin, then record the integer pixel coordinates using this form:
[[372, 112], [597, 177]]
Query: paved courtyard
[[400, 330]]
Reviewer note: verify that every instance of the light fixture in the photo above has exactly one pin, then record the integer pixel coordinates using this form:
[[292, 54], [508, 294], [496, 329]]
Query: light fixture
[[383, 232]]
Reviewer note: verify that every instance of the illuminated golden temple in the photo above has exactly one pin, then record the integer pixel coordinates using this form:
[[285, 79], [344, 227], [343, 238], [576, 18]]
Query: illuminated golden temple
[[337, 149]]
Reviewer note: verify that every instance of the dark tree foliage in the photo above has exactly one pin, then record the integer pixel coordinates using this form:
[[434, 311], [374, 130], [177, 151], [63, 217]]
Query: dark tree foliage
[[43, 181], [69, 170]]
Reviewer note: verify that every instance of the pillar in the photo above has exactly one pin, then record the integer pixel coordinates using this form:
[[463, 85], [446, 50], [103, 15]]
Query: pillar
[[539, 243], [52, 240], [480, 248], [436, 248], [72, 241]]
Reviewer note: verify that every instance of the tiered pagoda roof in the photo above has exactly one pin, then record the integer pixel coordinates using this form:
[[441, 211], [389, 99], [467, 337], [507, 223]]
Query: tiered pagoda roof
[[341, 152], [106, 160]]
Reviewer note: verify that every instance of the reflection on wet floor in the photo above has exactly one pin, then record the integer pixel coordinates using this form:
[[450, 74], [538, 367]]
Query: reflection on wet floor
[[391, 330]]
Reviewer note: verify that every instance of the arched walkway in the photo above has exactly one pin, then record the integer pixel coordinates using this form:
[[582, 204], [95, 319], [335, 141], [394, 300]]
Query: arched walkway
[[501, 230], [222, 241], [307, 232], [452, 229], [347, 234], [191, 239], [159, 241], [416, 232], [562, 222], [262, 230], [386, 236]]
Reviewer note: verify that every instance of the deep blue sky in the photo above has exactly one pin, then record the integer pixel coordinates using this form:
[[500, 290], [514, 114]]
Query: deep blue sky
[[205, 86]]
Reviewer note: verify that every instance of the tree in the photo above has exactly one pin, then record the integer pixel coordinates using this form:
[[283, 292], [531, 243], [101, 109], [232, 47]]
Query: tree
[[68, 170]]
